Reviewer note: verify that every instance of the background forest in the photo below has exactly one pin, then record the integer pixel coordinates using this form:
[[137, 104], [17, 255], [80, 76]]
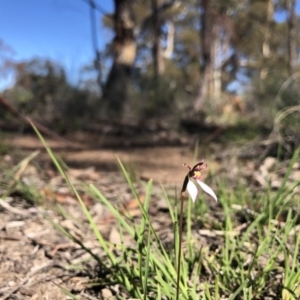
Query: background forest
[[220, 63]]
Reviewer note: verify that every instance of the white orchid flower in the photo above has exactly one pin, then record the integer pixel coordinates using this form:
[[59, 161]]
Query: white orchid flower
[[193, 178]]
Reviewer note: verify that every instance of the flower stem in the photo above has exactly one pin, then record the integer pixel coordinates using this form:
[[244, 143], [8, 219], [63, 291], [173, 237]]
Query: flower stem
[[179, 249]]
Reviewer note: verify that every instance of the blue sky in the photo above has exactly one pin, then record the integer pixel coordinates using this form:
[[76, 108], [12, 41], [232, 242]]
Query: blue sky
[[56, 29]]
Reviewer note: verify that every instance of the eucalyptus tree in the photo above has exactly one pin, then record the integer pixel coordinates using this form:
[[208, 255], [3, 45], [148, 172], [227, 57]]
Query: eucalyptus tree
[[115, 90]]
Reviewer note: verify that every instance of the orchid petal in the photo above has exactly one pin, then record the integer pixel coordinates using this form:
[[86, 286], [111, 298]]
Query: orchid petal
[[207, 189], [192, 190]]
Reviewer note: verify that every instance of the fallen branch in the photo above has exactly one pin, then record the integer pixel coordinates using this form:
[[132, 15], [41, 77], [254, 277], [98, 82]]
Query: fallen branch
[[44, 130]]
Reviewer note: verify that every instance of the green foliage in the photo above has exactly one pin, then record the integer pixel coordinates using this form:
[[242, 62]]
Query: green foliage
[[43, 92]]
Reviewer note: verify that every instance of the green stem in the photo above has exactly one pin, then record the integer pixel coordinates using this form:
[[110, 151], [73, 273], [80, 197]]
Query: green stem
[[179, 249]]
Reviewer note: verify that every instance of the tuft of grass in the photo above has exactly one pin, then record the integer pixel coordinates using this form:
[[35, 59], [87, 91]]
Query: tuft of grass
[[251, 259], [13, 185]]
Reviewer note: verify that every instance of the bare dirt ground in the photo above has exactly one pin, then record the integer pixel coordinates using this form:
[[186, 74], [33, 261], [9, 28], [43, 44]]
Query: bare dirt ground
[[35, 258], [161, 163]]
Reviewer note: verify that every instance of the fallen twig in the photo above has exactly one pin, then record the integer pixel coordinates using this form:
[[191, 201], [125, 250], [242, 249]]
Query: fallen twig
[[16, 211]]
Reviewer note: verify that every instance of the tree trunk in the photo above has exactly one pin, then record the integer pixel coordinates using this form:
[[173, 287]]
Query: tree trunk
[[97, 60], [207, 31], [219, 55], [157, 52], [115, 93], [292, 35], [168, 51], [266, 53]]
